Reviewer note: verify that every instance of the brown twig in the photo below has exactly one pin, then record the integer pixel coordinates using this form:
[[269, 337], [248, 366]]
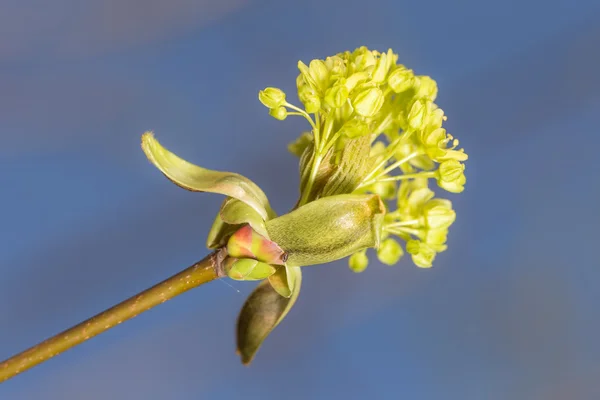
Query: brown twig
[[206, 270]]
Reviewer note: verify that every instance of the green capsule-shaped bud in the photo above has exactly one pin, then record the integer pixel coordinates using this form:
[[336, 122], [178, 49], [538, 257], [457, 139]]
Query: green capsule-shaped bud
[[390, 252], [247, 243], [247, 269], [336, 96], [272, 97], [358, 261], [279, 113], [355, 128], [329, 228], [401, 79], [368, 102]]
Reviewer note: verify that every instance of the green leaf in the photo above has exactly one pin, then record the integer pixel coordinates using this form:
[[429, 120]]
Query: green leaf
[[263, 311], [198, 179], [236, 212], [284, 280], [329, 228], [219, 233]]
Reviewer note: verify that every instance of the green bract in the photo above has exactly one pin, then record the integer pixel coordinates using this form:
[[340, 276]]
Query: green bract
[[328, 229], [375, 135]]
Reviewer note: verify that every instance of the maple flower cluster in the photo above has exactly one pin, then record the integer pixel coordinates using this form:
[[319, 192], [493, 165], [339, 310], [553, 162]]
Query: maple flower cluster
[[376, 129]]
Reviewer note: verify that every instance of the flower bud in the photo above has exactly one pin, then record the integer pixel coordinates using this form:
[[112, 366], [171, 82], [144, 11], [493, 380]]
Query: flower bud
[[436, 239], [422, 254], [439, 214], [381, 69], [279, 113], [401, 79], [271, 97], [427, 87], [355, 79], [358, 261], [368, 102], [336, 66], [418, 113], [456, 186], [336, 96], [390, 252], [451, 170], [310, 98], [320, 74]]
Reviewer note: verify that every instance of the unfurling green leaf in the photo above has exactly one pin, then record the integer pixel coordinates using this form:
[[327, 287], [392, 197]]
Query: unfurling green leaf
[[219, 233], [236, 212], [232, 215], [247, 269], [262, 312], [198, 179], [284, 280], [328, 229]]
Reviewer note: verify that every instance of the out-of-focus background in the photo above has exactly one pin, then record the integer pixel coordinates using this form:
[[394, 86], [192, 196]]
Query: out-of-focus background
[[510, 311]]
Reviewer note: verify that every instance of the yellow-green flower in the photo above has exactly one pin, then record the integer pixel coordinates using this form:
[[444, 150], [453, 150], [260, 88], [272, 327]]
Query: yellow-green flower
[[375, 128], [272, 97]]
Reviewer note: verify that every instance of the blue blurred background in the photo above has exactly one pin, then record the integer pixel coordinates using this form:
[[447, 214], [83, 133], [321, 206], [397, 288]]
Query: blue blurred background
[[510, 311]]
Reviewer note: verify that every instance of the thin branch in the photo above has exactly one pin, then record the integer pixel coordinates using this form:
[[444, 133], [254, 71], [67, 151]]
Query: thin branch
[[203, 271]]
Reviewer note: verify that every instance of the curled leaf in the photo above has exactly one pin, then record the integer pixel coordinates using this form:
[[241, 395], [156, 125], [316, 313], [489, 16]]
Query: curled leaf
[[236, 212], [284, 280], [198, 179], [329, 228], [262, 312], [219, 233]]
